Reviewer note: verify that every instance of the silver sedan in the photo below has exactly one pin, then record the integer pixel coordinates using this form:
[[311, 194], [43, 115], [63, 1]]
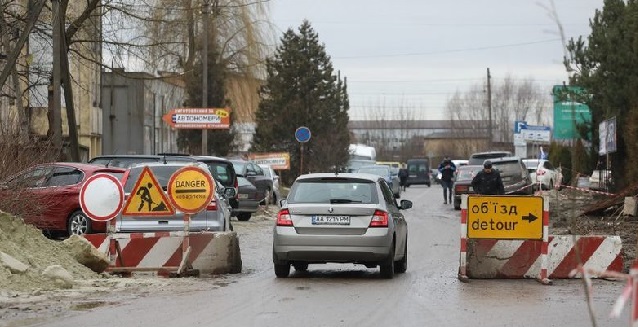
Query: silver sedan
[[342, 218]]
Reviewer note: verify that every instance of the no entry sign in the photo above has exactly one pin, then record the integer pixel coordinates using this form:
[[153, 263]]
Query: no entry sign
[[101, 197]]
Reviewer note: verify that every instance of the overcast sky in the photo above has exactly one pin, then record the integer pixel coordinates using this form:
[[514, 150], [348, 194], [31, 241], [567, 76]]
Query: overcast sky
[[417, 53]]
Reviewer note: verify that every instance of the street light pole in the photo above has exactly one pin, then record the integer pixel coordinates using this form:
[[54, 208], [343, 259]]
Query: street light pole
[[205, 73]]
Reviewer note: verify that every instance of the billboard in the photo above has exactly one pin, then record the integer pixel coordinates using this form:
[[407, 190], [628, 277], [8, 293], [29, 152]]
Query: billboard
[[569, 111], [607, 136], [277, 160]]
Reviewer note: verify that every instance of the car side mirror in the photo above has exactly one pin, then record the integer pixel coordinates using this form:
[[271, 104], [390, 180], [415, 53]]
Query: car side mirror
[[405, 204], [230, 192]]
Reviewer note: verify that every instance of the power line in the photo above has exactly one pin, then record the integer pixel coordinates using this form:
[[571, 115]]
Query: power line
[[450, 51]]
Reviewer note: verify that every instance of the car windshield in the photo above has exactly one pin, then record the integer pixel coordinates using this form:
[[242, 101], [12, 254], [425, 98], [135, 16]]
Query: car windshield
[[467, 174], [531, 164], [479, 158], [379, 171], [336, 191], [239, 167], [161, 173], [508, 167]]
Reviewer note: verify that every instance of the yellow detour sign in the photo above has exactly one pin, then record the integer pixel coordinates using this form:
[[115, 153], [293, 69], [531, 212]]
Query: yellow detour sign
[[505, 217], [191, 189], [147, 198]]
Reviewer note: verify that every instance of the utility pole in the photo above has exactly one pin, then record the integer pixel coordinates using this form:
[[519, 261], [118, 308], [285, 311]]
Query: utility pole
[[205, 74], [57, 109], [489, 108]]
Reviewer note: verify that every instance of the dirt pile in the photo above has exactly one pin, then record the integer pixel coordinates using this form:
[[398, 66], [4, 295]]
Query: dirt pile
[[566, 217], [27, 245]]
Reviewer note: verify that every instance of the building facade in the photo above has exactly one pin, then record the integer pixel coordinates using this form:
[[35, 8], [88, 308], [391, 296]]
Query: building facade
[[133, 104]]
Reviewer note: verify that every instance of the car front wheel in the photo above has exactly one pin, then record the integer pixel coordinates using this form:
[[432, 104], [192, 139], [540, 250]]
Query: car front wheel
[[79, 224]]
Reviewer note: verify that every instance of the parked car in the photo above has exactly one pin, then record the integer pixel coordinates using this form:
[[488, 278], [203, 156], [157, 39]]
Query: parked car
[[480, 157], [48, 196], [514, 174], [542, 173], [276, 194], [436, 175], [463, 182], [221, 168], [385, 172], [600, 175], [215, 217], [418, 172], [128, 160], [248, 200], [342, 218], [255, 175]]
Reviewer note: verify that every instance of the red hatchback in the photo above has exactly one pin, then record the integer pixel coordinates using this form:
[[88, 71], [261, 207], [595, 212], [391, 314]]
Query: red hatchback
[[47, 196]]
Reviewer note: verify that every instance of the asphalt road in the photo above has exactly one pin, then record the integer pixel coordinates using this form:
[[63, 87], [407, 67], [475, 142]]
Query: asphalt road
[[429, 294]]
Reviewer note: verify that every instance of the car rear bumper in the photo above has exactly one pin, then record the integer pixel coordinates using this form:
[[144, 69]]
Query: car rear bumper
[[372, 246]]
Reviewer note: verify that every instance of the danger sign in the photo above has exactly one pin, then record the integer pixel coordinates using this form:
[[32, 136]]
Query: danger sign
[[191, 189], [147, 198]]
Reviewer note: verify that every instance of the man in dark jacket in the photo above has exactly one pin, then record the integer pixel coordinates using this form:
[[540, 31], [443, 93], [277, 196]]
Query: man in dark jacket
[[403, 177], [447, 169], [488, 181]]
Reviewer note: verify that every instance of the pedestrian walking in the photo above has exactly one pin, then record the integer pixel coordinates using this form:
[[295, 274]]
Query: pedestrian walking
[[447, 169], [488, 181], [403, 177]]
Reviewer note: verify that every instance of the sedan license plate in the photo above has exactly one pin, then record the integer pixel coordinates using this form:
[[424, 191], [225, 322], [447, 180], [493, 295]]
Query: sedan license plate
[[242, 196], [331, 220]]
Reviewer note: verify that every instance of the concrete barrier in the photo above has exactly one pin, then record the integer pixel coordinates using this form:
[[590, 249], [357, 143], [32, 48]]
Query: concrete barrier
[[210, 252], [522, 258]]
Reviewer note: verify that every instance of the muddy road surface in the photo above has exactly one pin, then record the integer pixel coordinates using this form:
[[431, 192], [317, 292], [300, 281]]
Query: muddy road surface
[[429, 294]]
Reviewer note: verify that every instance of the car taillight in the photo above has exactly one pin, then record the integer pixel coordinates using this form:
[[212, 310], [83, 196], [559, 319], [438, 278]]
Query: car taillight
[[379, 219], [283, 218], [460, 188], [212, 206]]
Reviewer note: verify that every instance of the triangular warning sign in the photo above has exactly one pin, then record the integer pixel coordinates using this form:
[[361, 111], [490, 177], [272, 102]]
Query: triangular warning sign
[[147, 198]]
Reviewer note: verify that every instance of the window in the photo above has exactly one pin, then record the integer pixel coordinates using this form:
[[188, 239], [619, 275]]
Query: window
[[35, 177], [333, 191], [388, 196], [64, 176]]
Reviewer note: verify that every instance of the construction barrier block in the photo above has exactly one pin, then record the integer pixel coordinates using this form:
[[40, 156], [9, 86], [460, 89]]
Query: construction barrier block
[[211, 253], [522, 258]]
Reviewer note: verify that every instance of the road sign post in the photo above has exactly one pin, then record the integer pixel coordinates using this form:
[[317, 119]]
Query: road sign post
[[190, 190], [302, 134]]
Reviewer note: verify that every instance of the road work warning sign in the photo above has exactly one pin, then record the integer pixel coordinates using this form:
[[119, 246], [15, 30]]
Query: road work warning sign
[[147, 198], [505, 217], [191, 189]]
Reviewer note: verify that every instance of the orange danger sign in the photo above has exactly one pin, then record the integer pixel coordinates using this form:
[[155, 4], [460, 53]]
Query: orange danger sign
[[147, 198], [191, 189]]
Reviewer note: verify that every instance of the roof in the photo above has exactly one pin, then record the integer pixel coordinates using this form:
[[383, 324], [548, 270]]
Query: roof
[[503, 159], [83, 166]]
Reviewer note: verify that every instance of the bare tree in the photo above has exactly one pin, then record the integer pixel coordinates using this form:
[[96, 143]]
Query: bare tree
[[512, 100]]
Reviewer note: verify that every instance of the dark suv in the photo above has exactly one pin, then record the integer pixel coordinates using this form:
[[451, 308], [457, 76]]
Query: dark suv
[[221, 168], [514, 174]]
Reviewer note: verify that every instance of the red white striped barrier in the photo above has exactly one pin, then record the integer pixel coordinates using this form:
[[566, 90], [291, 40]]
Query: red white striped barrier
[[551, 257], [163, 251], [523, 258]]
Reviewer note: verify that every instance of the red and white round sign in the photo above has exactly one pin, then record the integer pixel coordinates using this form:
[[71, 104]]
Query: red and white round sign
[[102, 197]]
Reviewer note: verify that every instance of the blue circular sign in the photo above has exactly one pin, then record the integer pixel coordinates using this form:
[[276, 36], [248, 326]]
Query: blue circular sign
[[302, 134]]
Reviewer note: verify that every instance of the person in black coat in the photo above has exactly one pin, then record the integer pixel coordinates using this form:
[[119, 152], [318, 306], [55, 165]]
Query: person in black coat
[[447, 169], [403, 177], [488, 181]]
